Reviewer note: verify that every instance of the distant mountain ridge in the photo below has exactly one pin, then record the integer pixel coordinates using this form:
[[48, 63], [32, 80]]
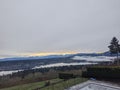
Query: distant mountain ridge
[[36, 57], [57, 56]]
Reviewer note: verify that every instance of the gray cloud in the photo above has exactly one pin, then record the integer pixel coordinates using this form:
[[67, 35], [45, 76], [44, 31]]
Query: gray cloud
[[53, 26]]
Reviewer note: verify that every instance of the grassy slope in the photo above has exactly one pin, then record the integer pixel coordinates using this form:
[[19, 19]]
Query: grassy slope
[[65, 84], [58, 86], [30, 86], [7, 81]]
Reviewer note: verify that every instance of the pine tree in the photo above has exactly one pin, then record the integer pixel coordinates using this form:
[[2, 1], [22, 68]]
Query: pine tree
[[114, 47]]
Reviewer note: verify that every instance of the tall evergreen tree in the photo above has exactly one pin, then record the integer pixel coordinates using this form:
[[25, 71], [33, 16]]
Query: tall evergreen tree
[[114, 47]]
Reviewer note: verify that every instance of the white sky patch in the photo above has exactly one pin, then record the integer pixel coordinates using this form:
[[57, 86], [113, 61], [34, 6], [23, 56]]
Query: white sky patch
[[31, 26]]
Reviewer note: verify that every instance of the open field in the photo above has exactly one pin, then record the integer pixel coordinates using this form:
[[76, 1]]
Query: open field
[[55, 84]]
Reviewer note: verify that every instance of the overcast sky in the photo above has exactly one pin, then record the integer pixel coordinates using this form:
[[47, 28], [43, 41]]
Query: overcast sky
[[36, 26]]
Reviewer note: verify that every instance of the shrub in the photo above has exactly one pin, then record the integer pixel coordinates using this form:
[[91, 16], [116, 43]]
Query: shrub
[[112, 72], [47, 83], [66, 76]]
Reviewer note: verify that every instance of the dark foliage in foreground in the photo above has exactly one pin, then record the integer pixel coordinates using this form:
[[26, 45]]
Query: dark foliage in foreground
[[108, 72]]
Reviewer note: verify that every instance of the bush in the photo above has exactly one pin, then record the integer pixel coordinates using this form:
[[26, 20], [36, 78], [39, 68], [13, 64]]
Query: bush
[[112, 72], [66, 76], [47, 83]]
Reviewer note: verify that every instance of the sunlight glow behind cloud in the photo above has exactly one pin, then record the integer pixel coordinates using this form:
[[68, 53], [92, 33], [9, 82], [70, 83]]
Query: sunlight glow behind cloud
[[28, 27]]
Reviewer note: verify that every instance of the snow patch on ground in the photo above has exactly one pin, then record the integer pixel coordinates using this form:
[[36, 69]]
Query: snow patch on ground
[[94, 85]]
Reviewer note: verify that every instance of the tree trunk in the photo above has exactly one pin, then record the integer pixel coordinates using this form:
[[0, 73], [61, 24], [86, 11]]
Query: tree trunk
[[117, 59]]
